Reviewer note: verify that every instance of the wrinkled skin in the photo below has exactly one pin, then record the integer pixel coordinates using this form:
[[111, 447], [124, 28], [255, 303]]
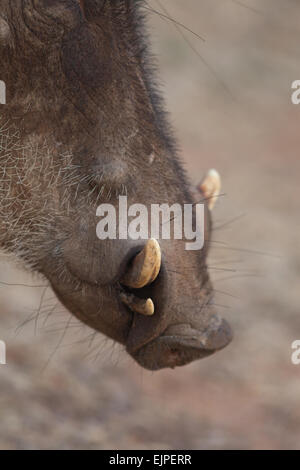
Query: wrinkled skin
[[82, 125]]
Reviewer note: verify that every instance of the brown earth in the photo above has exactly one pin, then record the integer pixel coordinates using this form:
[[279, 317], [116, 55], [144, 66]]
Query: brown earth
[[63, 387]]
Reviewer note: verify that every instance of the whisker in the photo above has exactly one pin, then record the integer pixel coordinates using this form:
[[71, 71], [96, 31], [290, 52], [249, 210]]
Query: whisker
[[189, 43], [11, 284], [58, 344], [240, 4], [166, 16], [244, 250], [39, 309], [238, 277], [226, 293], [219, 305], [229, 222]]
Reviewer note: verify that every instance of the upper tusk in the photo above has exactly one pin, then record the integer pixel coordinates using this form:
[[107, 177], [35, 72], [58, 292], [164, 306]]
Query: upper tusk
[[145, 266], [211, 187]]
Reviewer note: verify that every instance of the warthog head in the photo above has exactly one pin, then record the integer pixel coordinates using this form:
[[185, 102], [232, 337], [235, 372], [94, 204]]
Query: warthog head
[[82, 125]]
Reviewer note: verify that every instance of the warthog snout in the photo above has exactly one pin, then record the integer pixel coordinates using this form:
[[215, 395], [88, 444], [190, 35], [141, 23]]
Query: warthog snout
[[83, 125], [189, 335]]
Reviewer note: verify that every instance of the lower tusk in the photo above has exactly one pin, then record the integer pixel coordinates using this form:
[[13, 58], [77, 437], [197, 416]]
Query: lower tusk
[[137, 305]]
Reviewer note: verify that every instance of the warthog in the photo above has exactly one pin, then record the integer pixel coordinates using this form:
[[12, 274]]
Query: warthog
[[83, 123]]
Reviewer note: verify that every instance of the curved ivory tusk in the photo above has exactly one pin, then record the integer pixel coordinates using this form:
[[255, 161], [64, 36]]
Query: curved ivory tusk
[[141, 306], [211, 187], [145, 266]]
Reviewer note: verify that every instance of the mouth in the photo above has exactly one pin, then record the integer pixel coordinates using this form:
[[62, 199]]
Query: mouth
[[181, 344], [159, 327], [154, 341]]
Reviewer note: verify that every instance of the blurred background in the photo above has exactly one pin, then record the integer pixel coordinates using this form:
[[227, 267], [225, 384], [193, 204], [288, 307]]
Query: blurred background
[[230, 103]]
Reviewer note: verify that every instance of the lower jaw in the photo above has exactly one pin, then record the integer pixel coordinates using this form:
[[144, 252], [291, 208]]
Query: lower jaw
[[181, 344], [167, 352]]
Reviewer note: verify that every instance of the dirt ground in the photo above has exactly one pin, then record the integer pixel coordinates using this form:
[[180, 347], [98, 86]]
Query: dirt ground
[[231, 108]]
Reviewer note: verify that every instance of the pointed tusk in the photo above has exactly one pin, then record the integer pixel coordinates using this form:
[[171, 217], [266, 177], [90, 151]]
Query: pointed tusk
[[145, 266], [211, 187], [141, 306]]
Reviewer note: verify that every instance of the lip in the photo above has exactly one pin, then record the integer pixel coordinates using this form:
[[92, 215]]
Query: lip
[[173, 350], [167, 353]]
